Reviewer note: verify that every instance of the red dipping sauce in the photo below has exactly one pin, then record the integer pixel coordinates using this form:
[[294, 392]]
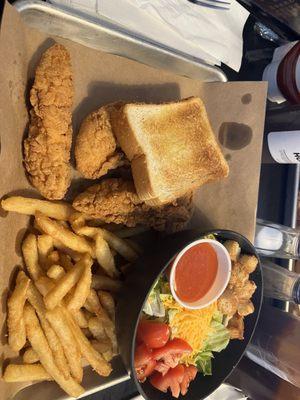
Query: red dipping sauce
[[195, 272]]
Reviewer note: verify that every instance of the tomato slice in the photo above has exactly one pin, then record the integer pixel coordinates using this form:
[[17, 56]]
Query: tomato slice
[[143, 372], [169, 355], [171, 380], [176, 379], [190, 373], [153, 334], [143, 362], [142, 355]]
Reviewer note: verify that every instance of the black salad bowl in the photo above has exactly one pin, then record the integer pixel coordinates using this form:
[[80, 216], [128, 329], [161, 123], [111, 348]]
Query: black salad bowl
[[135, 291]]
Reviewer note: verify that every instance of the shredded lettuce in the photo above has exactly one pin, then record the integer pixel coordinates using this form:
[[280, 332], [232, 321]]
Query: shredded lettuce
[[217, 340], [203, 362], [210, 236], [154, 305], [164, 297], [171, 314]]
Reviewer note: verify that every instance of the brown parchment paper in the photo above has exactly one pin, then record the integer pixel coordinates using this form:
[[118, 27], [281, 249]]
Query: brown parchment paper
[[236, 111]]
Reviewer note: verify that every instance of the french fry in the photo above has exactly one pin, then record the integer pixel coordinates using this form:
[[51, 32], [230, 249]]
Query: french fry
[[82, 288], [64, 284], [65, 261], [28, 206], [45, 247], [39, 343], [95, 307], [85, 230], [77, 221], [126, 268], [107, 301], [55, 272], [36, 300], [80, 318], [135, 246], [64, 224], [24, 373], [94, 304], [101, 346], [95, 359], [96, 328], [71, 350], [100, 282], [66, 250], [120, 245], [15, 321], [63, 235], [31, 257], [105, 257], [129, 232], [30, 356], [44, 285], [53, 258]]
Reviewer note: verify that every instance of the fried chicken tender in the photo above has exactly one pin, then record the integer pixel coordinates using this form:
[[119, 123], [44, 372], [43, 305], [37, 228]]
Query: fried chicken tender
[[115, 200], [233, 249], [228, 303], [246, 291], [249, 263], [245, 307], [47, 147], [235, 302], [236, 327], [238, 276], [96, 149]]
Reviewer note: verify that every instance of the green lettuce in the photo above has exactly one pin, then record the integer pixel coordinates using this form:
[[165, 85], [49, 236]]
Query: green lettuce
[[217, 340], [203, 362], [154, 306], [210, 236]]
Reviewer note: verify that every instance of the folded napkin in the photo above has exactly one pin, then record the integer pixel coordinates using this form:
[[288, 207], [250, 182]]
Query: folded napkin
[[213, 36]]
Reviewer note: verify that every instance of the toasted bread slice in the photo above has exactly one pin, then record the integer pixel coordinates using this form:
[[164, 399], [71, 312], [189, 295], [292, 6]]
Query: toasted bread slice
[[171, 146]]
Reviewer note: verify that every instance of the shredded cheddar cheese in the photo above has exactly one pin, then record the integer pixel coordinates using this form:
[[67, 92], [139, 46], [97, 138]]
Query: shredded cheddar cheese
[[191, 325]]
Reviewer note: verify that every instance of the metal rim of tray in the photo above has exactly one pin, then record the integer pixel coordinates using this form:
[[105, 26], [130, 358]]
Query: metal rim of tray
[[104, 25]]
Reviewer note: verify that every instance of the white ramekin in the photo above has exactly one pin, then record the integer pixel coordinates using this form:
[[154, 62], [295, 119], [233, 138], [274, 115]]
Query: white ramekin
[[220, 282]]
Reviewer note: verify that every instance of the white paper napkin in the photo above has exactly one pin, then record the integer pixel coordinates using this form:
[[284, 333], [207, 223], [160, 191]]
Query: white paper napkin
[[214, 36]]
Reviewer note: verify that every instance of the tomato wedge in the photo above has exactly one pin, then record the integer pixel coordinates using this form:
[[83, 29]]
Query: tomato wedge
[[176, 379], [153, 334], [143, 362], [171, 380], [169, 355], [190, 373]]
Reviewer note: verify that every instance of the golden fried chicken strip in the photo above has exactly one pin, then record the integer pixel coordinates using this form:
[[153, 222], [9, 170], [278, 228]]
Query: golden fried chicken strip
[[96, 149], [228, 303], [115, 200], [239, 275], [236, 327], [47, 147], [246, 291], [245, 307], [249, 262]]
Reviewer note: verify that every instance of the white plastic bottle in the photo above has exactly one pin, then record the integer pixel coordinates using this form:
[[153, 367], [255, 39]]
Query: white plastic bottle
[[284, 146]]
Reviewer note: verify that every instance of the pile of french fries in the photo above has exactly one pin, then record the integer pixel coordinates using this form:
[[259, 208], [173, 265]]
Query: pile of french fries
[[61, 315]]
